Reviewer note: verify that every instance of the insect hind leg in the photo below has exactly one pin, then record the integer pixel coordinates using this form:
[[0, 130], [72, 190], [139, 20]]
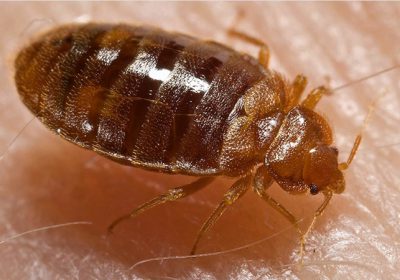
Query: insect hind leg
[[171, 195]]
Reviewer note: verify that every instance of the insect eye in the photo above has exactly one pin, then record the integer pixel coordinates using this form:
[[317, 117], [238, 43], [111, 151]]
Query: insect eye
[[314, 189]]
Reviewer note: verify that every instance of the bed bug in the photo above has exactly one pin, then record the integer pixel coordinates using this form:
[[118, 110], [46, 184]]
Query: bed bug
[[172, 103]]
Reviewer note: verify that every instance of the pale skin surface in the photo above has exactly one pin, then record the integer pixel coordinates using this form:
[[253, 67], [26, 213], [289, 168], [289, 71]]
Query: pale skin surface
[[45, 180]]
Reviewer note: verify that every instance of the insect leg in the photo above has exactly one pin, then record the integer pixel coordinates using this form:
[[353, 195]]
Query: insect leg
[[318, 212], [262, 181], [234, 192], [297, 89], [314, 97], [171, 195], [316, 94], [263, 53]]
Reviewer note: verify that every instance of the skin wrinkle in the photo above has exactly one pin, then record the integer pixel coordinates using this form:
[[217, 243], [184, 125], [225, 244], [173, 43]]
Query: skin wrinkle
[[383, 37], [381, 196], [328, 52], [102, 193], [366, 239], [306, 22]]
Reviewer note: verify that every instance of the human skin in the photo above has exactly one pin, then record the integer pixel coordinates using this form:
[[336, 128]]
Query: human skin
[[45, 180]]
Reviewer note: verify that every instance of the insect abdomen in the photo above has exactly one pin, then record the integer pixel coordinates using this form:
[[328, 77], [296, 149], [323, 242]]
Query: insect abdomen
[[138, 95]]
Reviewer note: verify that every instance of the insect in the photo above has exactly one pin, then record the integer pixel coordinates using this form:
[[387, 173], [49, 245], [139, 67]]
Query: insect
[[172, 103]]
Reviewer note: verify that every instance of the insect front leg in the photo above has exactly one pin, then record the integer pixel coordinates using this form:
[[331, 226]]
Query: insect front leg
[[262, 181], [234, 193], [297, 89], [318, 212], [314, 97], [171, 195]]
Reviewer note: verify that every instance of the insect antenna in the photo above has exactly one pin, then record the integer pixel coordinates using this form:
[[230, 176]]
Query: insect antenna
[[357, 141]]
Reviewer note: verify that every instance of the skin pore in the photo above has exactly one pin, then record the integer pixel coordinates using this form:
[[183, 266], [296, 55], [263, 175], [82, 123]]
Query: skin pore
[[45, 180]]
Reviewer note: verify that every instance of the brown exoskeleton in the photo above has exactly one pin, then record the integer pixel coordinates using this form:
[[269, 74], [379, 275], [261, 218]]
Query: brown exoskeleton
[[172, 103]]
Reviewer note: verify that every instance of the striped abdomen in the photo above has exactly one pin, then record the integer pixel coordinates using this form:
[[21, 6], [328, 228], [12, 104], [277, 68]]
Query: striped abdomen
[[138, 95]]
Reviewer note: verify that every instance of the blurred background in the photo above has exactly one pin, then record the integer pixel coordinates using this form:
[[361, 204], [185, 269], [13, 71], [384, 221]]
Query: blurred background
[[46, 181]]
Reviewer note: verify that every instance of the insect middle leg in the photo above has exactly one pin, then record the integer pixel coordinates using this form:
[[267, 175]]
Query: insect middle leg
[[171, 195], [263, 53], [234, 193]]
